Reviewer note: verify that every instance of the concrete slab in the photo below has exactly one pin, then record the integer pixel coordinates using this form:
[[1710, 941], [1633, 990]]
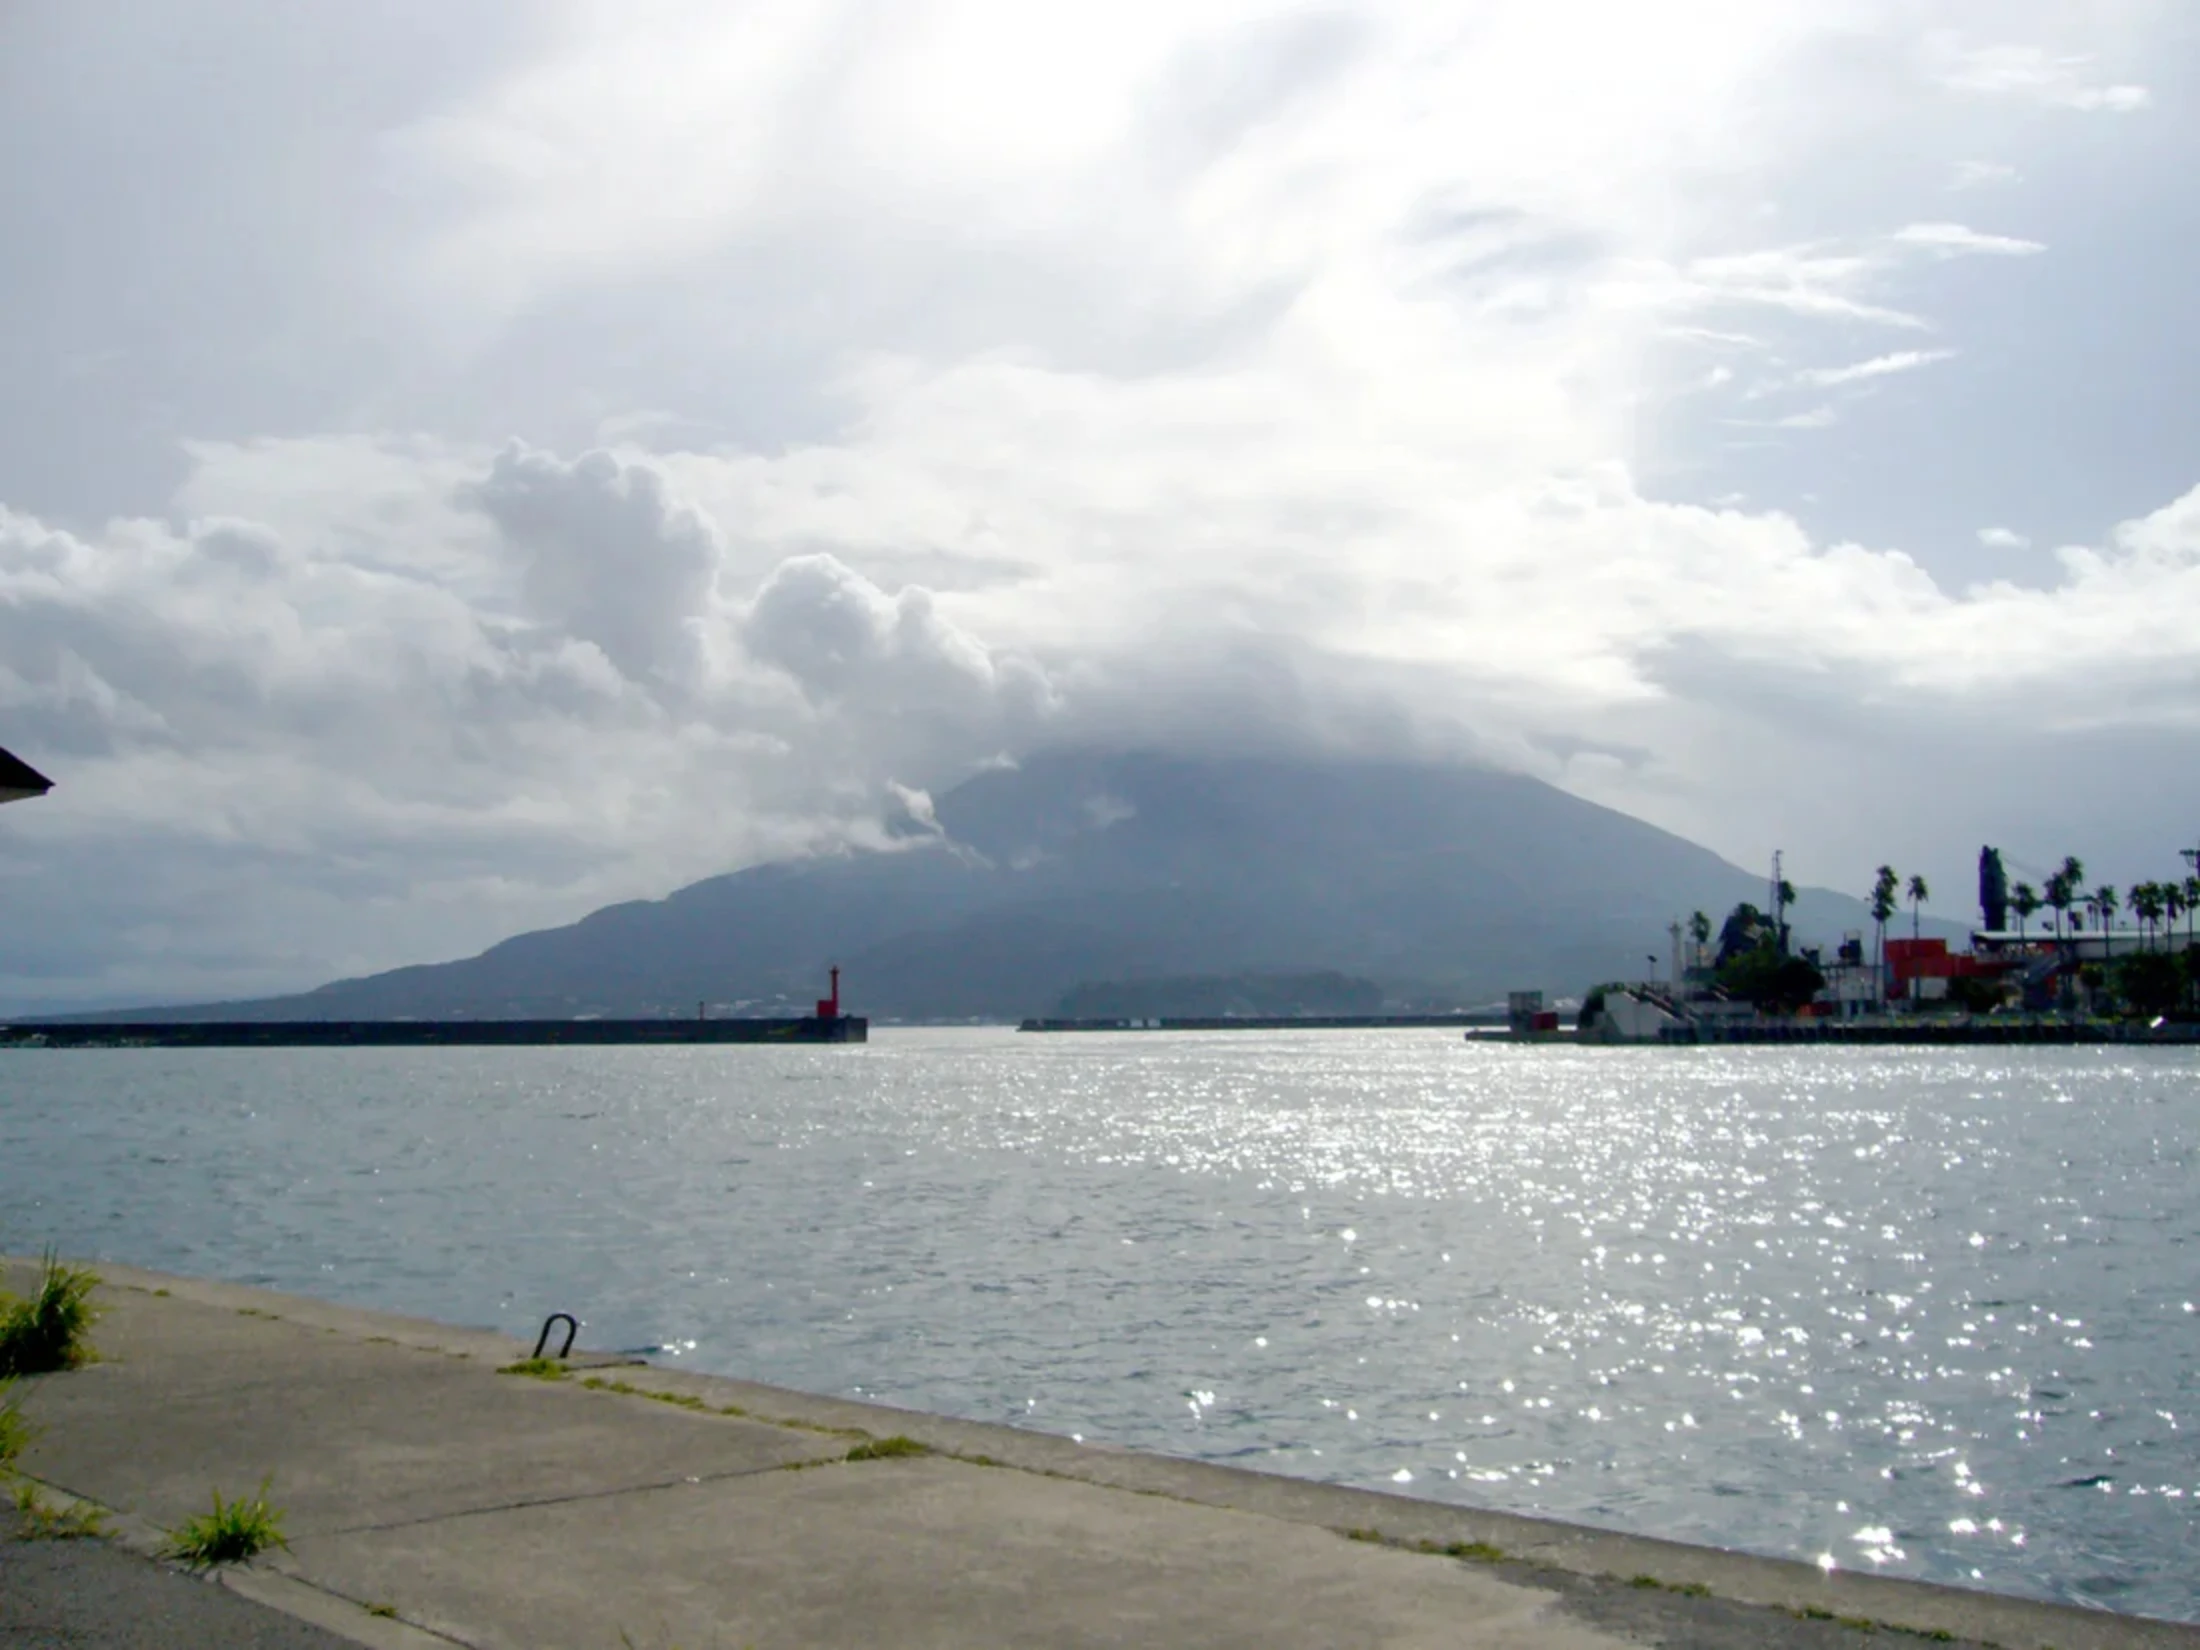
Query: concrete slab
[[354, 1433], [86, 1595], [924, 1553], [496, 1510]]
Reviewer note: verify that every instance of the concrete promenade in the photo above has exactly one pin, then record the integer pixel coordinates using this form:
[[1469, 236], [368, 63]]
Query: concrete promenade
[[432, 1501]]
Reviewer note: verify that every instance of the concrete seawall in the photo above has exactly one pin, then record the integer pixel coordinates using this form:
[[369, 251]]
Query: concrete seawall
[[839, 1028], [431, 1500]]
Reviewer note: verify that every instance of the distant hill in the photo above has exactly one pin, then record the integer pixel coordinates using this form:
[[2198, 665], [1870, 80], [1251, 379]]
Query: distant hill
[[1213, 996], [1446, 886]]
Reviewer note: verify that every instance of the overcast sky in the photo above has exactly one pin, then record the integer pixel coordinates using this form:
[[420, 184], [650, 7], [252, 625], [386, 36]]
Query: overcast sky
[[464, 463]]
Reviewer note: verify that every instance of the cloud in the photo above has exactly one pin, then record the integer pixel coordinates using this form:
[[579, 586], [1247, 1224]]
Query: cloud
[[2003, 538], [2035, 73], [307, 729], [840, 636], [1879, 366], [1981, 174], [606, 556], [889, 398], [579, 716], [1954, 240]]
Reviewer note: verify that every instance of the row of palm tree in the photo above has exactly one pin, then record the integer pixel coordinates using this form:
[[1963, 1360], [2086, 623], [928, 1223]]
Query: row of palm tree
[[2155, 906], [1887, 894]]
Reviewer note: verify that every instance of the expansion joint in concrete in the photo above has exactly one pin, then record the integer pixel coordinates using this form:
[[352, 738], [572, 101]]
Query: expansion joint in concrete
[[686, 1481]]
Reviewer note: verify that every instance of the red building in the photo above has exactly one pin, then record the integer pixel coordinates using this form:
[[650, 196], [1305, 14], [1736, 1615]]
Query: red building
[[1933, 965]]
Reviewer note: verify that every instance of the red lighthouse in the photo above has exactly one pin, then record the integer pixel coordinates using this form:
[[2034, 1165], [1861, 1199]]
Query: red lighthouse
[[828, 1008]]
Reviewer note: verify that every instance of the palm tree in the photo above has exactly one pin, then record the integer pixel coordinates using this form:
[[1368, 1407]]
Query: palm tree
[[1699, 931], [2024, 899], [2173, 907], [2192, 907], [2064, 889], [2147, 906], [1882, 907], [1917, 894], [2103, 907]]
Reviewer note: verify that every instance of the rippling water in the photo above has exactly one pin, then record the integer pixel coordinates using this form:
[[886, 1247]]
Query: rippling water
[[1930, 1312]]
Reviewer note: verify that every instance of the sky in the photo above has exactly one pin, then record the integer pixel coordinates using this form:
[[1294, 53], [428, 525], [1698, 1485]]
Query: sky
[[461, 465]]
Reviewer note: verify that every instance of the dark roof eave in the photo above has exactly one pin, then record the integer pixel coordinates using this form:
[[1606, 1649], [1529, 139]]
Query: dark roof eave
[[18, 779]]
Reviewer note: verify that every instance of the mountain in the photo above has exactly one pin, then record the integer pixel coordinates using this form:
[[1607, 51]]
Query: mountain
[[1447, 886]]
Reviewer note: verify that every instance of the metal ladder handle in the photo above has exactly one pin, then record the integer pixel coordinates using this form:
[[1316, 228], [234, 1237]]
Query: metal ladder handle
[[572, 1328]]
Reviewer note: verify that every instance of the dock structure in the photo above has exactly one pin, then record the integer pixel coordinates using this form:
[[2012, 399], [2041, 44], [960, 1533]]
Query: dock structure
[[1262, 1022], [838, 1028], [437, 1489]]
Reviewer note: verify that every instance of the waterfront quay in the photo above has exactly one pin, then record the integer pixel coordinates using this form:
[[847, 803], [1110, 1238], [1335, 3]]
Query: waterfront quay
[[1984, 1030], [430, 1499]]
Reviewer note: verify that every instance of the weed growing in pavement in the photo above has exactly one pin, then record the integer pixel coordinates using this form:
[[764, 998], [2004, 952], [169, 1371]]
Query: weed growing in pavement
[[542, 1369], [49, 1331], [16, 1432], [885, 1449], [233, 1532], [41, 1521]]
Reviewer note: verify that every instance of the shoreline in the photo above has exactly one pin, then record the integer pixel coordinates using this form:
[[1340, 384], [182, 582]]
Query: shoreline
[[432, 1441]]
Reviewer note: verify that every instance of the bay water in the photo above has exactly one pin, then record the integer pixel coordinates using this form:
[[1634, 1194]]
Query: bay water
[[1930, 1312]]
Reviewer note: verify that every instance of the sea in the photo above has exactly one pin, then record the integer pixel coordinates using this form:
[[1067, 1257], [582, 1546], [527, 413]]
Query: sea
[[1923, 1312]]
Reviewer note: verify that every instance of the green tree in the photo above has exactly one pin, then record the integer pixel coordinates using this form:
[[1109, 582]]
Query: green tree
[[2147, 905], [2149, 983], [2192, 909], [2064, 889], [1976, 993], [2103, 906], [1699, 933], [1775, 983], [2059, 896], [2024, 899], [1745, 929], [1882, 906], [1917, 894]]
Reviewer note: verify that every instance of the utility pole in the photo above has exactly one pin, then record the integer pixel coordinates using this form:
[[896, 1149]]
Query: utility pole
[[1674, 929]]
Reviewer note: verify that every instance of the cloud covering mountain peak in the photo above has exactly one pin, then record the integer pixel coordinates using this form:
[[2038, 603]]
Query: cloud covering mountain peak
[[632, 448]]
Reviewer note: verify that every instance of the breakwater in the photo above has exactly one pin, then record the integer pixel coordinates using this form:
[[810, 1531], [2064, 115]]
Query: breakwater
[[842, 1028], [1279, 1022]]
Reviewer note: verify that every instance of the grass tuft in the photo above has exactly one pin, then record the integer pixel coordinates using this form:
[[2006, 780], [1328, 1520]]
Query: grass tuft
[[16, 1431], [1481, 1552], [233, 1532], [41, 1521], [885, 1449], [541, 1369], [48, 1331], [1687, 1589]]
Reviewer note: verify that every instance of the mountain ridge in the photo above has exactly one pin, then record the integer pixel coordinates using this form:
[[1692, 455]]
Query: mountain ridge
[[1448, 885]]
